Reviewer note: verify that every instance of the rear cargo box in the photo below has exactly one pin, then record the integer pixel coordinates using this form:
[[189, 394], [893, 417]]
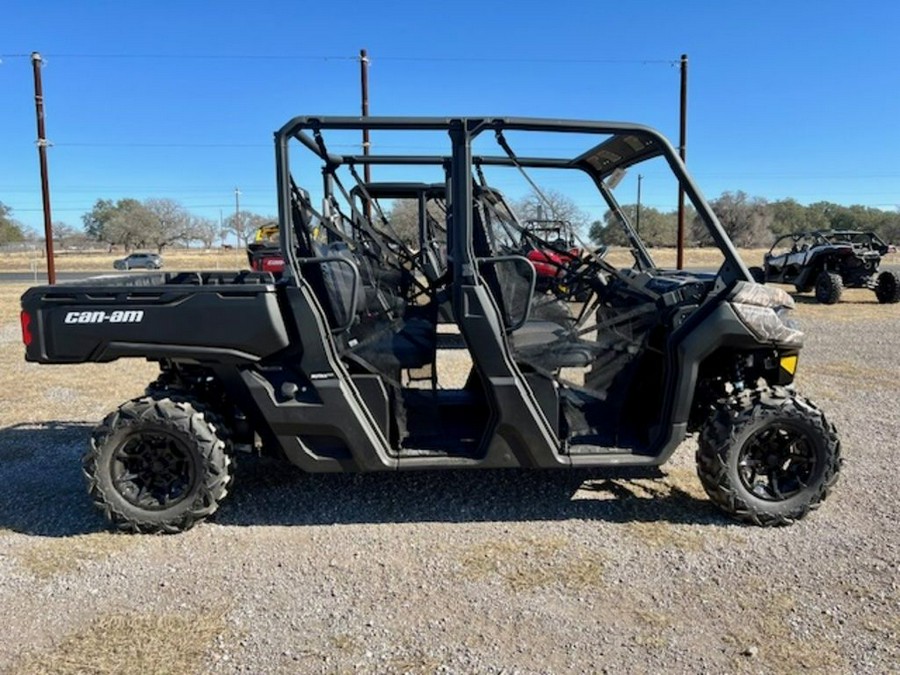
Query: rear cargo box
[[218, 316]]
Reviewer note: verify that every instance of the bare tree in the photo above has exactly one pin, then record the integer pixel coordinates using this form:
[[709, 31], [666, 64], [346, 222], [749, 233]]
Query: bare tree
[[403, 217], [66, 235], [204, 230], [244, 225], [557, 206]]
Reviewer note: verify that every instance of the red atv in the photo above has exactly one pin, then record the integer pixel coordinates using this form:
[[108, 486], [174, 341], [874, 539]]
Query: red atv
[[551, 248], [264, 252]]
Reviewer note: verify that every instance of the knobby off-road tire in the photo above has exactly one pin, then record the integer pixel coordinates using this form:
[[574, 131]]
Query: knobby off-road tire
[[168, 385], [768, 456], [829, 287], [157, 464], [887, 287]]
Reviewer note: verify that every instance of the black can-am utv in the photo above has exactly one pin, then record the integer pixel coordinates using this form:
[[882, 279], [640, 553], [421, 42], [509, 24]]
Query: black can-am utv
[[379, 350], [827, 261]]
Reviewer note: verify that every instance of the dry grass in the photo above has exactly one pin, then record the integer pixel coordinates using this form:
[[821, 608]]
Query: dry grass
[[52, 556], [856, 304], [196, 259], [88, 391], [9, 303], [37, 393], [422, 663], [83, 391], [662, 534], [343, 642], [534, 563], [684, 481], [766, 626], [693, 257], [132, 644], [858, 376]]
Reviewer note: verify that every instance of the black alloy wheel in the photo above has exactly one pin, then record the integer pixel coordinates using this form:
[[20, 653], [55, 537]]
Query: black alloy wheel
[[777, 462], [153, 470]]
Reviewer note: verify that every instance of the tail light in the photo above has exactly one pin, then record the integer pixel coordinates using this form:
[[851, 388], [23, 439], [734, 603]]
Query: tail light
[[26, 328]]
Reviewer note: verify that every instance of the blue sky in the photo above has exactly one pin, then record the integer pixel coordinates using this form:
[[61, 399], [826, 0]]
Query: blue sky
[[180, 99]]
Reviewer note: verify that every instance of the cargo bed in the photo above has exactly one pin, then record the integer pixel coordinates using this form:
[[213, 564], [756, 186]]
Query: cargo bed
[[200, 316]]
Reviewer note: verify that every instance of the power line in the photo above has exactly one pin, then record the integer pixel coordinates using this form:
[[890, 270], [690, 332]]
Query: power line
[[339, 57], [526, 59], [74, 209], [163, 145], [194, 56], [133, 188]]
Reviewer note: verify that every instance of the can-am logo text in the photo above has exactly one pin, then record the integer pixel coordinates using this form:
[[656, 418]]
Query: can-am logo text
[[118, 316]]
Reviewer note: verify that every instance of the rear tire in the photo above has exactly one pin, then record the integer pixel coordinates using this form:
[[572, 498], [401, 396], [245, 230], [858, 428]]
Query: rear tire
[[887, 287], [829, 287], [768, 457], [158, 464]]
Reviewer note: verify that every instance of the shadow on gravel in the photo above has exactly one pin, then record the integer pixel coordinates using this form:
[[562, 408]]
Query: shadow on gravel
[[270, 492], [44, 492], [811, 300]]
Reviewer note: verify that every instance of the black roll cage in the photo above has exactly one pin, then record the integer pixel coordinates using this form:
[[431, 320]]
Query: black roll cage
[[627, 144]]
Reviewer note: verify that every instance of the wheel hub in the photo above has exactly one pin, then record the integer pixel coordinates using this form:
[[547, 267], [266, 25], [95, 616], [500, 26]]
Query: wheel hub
[[777, 462], [153, 470]]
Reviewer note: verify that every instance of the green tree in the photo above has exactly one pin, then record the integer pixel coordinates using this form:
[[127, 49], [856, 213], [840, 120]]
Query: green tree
[[10, 229], [654, 227], [116, 223], [747, 220], [608, 232], [129, 224], [790, 216], [97, 218]]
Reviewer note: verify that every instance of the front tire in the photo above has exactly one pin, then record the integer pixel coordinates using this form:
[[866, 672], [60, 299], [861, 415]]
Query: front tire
[[887, 288], [768, 457], [157, 464], [829, 287]]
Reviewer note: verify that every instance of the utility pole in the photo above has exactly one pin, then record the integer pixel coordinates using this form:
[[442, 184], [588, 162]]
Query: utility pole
[[364, 88], [237, 215], [37, 62], [682, 151], [637, 215]]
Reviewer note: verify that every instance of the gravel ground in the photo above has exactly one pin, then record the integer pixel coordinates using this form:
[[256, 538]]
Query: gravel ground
[[468, 572]]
